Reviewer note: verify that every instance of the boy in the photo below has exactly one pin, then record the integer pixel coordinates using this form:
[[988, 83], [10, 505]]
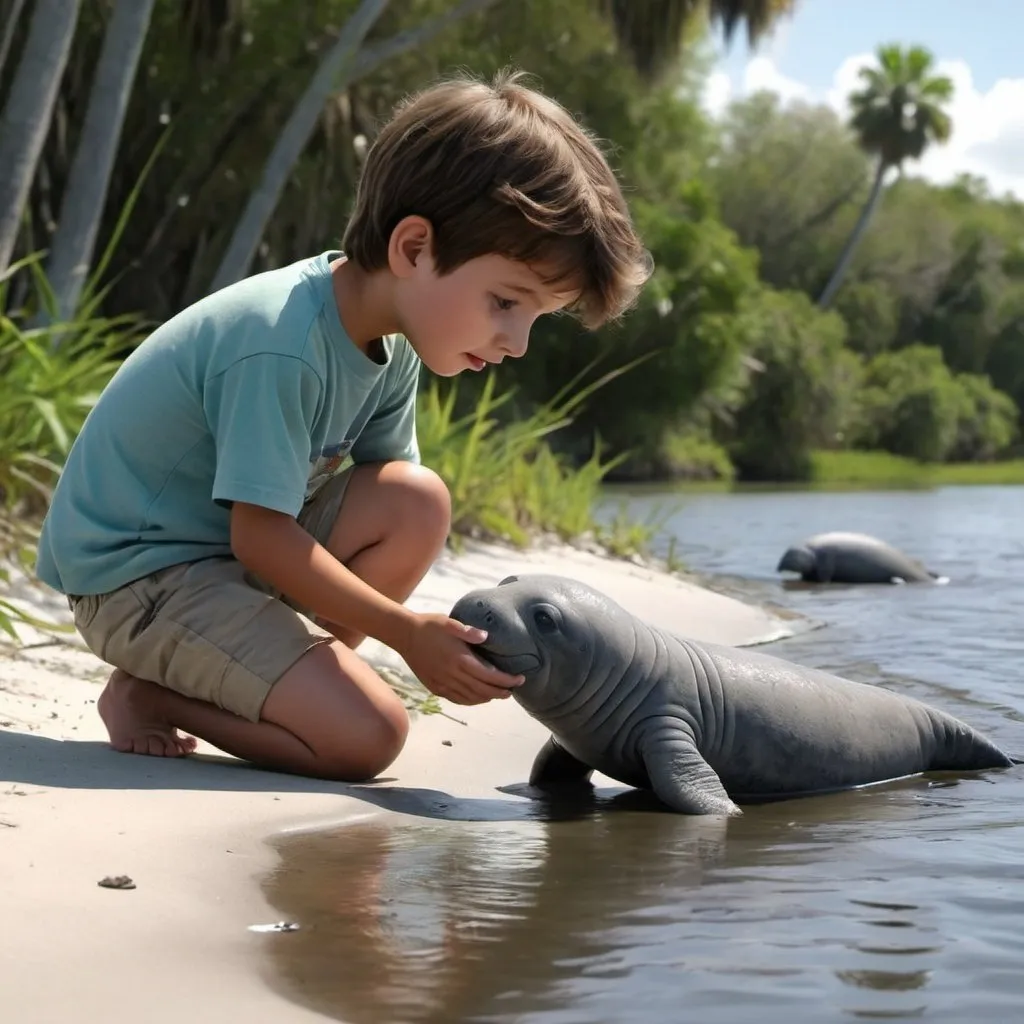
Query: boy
[[209, 549]]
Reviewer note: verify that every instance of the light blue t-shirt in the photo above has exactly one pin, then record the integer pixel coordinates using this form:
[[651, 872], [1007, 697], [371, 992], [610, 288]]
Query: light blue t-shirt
[[252, 394]]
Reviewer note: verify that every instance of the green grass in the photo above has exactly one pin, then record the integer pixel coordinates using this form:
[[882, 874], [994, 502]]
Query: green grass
[[50, 376], [506, 482], [881, 469], [979, 473], [852, 470], [698, 458], [867, 469]]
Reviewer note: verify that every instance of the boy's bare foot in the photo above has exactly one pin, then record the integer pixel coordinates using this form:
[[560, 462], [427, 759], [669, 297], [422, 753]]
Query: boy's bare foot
[[130, 710]]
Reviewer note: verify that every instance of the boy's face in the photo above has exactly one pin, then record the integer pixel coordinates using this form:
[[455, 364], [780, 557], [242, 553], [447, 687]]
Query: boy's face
[[479, 313]]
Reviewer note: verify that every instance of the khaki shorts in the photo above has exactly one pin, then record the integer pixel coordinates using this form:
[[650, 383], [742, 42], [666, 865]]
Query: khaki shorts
[[209, 629]]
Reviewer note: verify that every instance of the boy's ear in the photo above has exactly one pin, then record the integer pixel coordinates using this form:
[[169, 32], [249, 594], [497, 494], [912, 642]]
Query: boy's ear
[[411, 242]]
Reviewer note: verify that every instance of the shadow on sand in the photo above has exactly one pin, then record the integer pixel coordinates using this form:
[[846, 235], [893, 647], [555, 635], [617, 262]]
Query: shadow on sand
[[82, 764]]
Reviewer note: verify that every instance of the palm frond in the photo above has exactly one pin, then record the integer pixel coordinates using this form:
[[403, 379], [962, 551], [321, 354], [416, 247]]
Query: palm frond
[[899, 110], [653, 33]]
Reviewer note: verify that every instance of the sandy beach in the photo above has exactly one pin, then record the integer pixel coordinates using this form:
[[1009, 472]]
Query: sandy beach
[[192, 834]]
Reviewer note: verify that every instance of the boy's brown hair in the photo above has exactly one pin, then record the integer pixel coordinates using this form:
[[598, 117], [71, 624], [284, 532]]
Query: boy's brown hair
[[501, 169]]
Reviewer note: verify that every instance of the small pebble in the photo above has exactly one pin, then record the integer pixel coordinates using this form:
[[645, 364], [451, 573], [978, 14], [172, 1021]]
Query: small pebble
[[116, 882], [446, 743]]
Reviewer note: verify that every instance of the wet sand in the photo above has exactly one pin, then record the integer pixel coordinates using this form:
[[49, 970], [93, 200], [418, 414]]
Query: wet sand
[[193, 835]]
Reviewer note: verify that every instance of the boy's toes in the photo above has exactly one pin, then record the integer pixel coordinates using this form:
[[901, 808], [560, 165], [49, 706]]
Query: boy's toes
[[185, 744], [170, 746], [150, 744], [161, 744]]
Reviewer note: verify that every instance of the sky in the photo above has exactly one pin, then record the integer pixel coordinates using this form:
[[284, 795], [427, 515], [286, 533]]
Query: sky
[[815, 54]]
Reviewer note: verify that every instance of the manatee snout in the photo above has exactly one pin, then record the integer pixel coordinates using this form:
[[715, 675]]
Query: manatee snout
[[510, 643], [797, 559]]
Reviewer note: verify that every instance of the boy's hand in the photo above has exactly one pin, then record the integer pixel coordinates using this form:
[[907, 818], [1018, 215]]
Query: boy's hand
[[439, 653]]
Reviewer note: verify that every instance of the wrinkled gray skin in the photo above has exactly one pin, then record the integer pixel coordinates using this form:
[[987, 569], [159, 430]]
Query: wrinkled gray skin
[[701, 725], [852, 558]]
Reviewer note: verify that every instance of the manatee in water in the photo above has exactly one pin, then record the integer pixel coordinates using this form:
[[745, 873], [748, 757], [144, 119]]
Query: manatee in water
[[852, 558], [702, 725]]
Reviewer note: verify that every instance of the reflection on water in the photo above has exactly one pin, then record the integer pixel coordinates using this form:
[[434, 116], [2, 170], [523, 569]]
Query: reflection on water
[[893, 902], [837, 906]]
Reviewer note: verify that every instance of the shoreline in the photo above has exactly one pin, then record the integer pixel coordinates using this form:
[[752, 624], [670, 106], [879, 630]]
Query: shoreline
[[848, 470], [196, 836]]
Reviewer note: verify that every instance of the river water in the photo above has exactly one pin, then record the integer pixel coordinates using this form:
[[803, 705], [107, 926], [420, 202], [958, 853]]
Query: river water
[[904, 901]]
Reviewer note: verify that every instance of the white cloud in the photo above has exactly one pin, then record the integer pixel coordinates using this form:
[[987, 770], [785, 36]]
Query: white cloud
[[988, 127]]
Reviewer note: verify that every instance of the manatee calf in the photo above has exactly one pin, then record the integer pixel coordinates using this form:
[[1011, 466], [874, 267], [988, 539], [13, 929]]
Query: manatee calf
[[699, 724], [852, 558]]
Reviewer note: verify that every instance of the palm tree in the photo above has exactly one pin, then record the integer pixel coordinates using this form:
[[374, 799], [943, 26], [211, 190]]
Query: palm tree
[[86, 190], [652, 32], [897, 114], [10, 22], [26, 113], [344, 62]]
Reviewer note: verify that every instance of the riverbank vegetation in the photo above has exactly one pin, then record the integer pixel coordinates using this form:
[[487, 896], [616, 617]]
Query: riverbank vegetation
[[818, 314], [882, 470]]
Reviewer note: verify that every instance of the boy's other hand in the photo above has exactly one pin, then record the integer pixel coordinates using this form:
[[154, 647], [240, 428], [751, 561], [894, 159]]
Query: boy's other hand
[[439, 651]]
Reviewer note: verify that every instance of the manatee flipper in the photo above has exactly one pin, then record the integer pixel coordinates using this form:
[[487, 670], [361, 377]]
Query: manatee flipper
[[825, 565], [555, 766], [681, 778]]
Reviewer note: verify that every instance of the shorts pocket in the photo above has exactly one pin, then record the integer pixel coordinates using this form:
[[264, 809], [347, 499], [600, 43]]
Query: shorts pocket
[[83, 610], [108, 621]]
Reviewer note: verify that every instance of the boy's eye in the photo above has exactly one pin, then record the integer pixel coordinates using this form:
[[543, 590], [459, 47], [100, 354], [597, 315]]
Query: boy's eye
[[504, 304]]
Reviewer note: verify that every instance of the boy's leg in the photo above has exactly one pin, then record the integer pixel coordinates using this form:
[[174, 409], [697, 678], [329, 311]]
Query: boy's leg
[[387, 523], [329, 716], [328, 713]]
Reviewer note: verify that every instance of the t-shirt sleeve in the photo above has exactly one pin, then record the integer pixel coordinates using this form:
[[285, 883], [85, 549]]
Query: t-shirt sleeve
[[261, 411], [390, 433]]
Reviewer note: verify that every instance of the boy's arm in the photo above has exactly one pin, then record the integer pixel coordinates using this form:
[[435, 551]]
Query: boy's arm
[[274, 546]]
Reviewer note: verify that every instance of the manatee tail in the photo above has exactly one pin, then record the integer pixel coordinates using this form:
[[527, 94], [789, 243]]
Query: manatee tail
[[959, 747]]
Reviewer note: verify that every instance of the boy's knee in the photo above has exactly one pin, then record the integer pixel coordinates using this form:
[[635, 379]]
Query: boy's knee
[[387, 735], [381, 739], [424, 501]]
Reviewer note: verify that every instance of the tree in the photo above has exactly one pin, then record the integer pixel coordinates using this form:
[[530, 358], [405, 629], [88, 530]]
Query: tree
[[653, 32], [988, 420], [801, 389], [86, 189], [11, 15], [786, 177], [26, 115], [896, 116], [344, 62], [911, 404]]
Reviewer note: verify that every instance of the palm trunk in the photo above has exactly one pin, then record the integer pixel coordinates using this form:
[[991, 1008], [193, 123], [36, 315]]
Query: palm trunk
[[820, 216], [373, 56], [26, 116], [345, 62], [11, 24], [336, 65], [89, 178], [843, 263]]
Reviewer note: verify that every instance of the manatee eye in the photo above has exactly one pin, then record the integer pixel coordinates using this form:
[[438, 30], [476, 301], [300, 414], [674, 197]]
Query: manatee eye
[[544, 621]]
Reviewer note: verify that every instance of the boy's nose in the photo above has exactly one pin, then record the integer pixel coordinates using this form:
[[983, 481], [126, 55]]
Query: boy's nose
[[515, 346]]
